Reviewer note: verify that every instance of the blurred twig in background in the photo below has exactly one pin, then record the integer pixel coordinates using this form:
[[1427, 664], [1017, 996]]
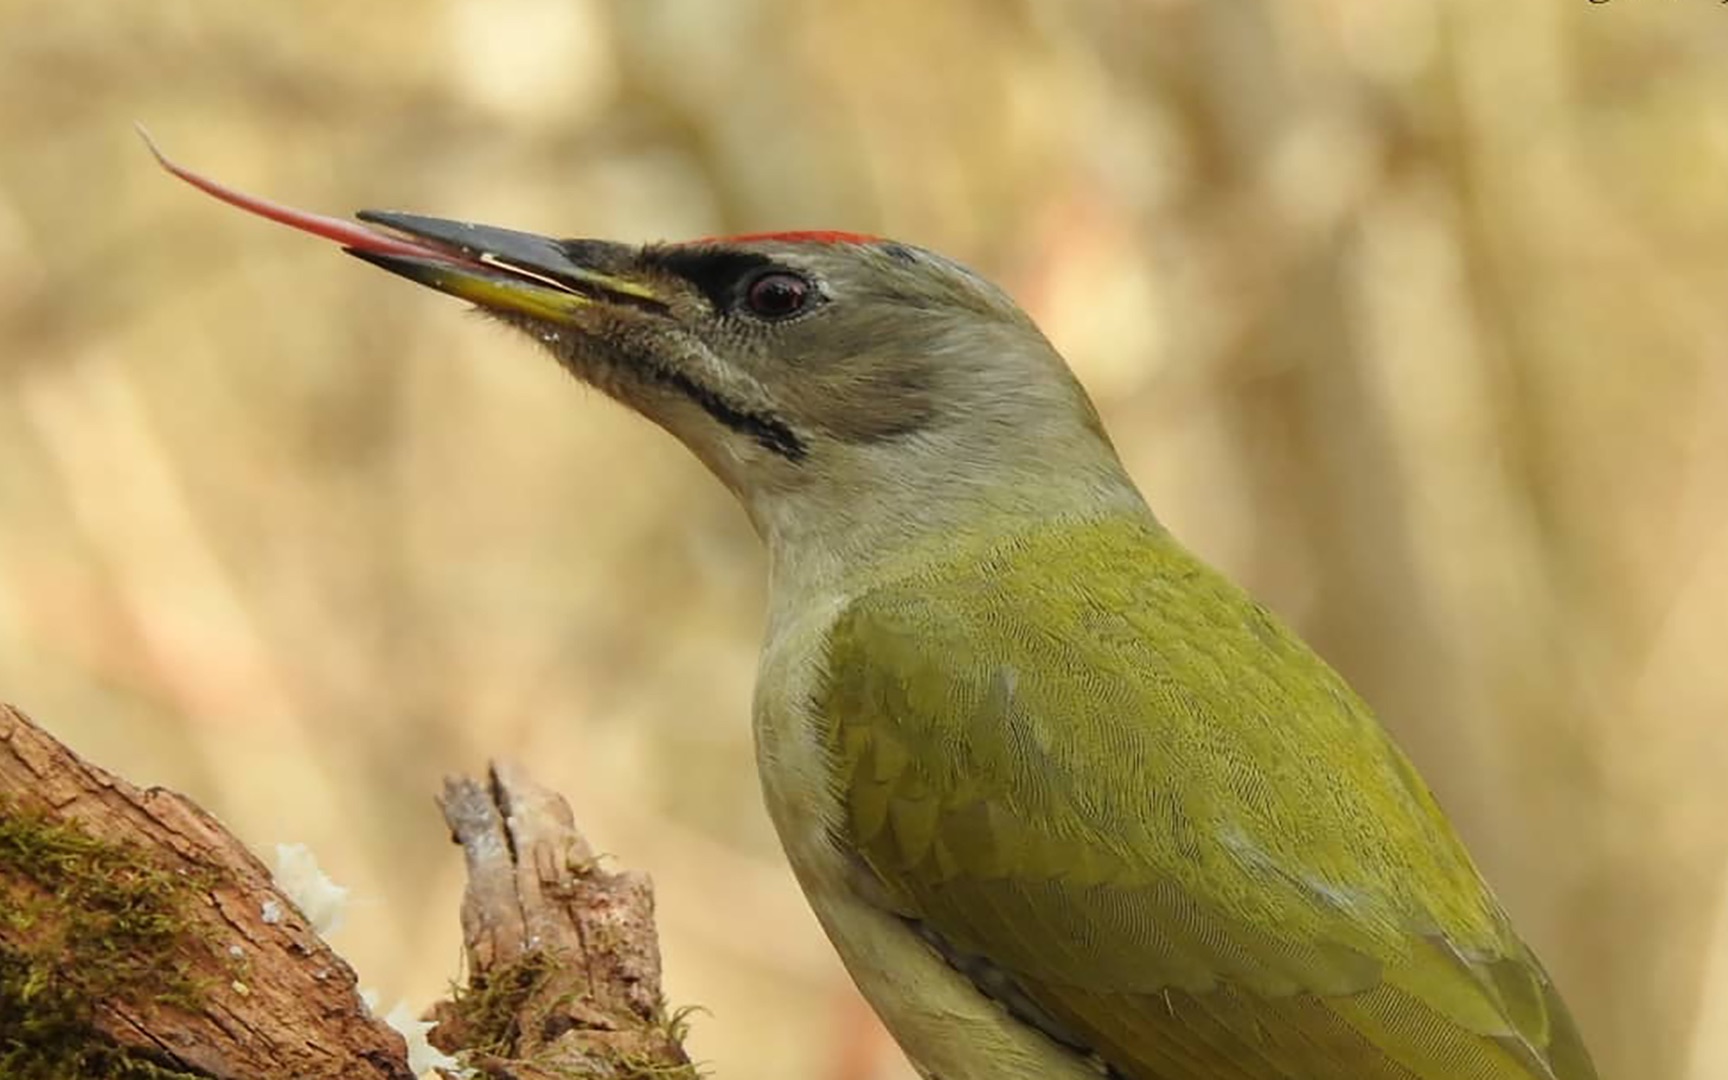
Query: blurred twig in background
[[1407, 314]]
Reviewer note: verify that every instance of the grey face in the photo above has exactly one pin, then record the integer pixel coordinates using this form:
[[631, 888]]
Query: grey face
[[804, 344]]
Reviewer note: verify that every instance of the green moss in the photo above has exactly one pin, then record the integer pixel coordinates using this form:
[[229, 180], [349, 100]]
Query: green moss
[[647, 1070], [677, 1023], [84, 920], [489, 1011], [492, 1012]]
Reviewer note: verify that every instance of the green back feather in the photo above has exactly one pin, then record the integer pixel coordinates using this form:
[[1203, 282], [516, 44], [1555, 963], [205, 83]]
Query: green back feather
[[1089, 759]]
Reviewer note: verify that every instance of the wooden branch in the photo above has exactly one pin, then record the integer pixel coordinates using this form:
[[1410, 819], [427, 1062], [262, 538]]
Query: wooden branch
[[139, 938]]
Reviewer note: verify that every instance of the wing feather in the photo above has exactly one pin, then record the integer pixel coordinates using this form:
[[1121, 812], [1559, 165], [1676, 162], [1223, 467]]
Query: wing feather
[[1104, 771]]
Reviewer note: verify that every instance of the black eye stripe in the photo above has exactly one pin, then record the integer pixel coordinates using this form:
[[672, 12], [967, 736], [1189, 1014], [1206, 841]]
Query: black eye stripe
[[718, 274]]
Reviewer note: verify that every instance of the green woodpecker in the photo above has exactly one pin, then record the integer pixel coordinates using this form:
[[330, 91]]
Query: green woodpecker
[[1068, 803]]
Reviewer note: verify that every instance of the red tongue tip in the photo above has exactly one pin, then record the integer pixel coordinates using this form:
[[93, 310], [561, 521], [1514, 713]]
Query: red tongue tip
[[344, 232], [364, 238]]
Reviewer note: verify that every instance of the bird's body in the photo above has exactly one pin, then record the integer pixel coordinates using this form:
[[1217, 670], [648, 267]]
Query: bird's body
[[1068, 802], [1262, 917]]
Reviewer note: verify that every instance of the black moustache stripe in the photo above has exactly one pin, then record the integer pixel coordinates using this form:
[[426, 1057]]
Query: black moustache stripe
[[770, 432]]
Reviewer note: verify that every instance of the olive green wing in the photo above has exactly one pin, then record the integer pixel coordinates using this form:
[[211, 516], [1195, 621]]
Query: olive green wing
[[1140, 813]]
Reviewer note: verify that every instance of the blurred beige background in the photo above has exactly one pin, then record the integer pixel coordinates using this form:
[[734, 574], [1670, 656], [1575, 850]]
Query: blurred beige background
[[1412, 316]]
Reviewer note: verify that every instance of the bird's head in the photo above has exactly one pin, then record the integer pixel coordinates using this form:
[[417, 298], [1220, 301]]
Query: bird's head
[[851, 390]]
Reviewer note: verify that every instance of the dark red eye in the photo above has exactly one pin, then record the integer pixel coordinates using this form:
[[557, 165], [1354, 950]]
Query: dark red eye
[[777, 294]]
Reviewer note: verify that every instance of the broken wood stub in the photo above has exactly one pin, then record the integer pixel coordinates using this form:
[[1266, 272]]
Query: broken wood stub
[[563, 959]]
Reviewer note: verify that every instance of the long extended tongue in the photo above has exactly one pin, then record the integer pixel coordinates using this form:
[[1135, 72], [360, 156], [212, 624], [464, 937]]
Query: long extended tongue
[[344, 232]]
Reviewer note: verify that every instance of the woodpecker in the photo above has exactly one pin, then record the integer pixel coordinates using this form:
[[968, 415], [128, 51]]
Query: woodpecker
[[1067, 802]]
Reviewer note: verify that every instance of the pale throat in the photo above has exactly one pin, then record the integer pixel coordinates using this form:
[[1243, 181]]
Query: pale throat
[[832, 542]]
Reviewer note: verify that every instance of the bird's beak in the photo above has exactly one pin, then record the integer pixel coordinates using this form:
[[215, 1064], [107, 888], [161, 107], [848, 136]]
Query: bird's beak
[[499, 269], [505, 270]]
